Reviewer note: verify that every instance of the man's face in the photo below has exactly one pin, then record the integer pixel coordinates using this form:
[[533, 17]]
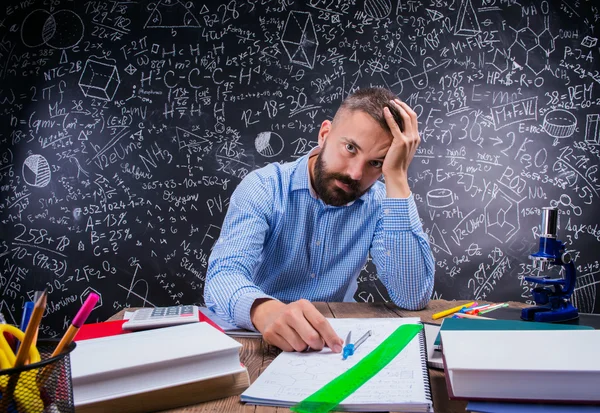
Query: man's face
[[351, 157]]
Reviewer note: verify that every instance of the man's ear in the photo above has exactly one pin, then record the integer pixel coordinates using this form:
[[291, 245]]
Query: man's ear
[[324, 131]]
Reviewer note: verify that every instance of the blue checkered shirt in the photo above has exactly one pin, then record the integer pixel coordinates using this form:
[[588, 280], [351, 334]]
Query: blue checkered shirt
[[278, 240]]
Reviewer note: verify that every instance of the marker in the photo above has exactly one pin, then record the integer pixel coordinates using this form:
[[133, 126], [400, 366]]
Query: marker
[[477, 317], [27, 310], [493, 307], [77, 322], [451, 310]]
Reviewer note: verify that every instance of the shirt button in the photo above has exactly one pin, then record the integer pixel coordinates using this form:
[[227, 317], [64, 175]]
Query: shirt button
[[388, 253], [313, 275], [386, 211], [318, 243]]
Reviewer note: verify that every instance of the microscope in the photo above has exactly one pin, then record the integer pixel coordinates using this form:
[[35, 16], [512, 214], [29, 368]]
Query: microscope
[[553, 297]]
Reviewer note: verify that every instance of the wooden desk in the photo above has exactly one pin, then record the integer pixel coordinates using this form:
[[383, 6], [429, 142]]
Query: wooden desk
[[257, 355]]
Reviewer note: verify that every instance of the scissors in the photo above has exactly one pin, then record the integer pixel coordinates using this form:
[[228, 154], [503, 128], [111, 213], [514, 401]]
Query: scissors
[[7, 355], [349, 347]]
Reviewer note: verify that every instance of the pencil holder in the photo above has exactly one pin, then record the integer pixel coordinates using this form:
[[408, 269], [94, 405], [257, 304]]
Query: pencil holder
[[39, 387]]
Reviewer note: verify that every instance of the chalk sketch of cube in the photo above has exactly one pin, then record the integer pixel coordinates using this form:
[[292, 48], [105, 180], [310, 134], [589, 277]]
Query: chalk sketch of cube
[[592, 128], [589, 41], [99, 80]]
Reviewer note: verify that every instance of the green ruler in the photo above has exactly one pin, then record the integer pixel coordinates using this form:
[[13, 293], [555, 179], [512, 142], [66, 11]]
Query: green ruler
[[334, 392]]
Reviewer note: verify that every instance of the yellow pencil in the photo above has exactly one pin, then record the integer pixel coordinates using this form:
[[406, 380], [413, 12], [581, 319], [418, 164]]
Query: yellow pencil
[[32, 330], [451, 310]]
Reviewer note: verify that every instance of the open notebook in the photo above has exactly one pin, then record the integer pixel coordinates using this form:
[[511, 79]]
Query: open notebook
[[403, 385]]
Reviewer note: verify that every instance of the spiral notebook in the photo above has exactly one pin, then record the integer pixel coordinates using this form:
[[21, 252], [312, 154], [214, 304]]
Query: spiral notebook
[[403, 385]]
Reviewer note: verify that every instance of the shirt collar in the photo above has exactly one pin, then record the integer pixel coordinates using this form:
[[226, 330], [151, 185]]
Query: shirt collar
[[301, 177]]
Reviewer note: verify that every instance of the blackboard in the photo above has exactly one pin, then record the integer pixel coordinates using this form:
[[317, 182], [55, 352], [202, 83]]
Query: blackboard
[[125, 127]]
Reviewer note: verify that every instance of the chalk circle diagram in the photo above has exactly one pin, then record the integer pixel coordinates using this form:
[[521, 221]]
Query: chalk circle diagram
[[439, 198], [268, 144], [378, 9], [560, 123], [171, 14], [36, 171], [62, 29]]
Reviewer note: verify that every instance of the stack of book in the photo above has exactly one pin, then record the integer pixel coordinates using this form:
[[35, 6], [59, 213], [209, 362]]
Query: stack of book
[[156, 369], [510, 361]]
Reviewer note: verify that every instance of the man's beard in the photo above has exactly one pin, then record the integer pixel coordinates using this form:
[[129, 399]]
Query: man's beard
[[326, 188]]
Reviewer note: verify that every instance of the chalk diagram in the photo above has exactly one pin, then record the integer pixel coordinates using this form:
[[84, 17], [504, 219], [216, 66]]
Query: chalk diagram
[[560, 123], [502, 216], [467, 23], [299, 39], [192, 142], [501, 61], [36, 171], [589, 41], [404, 54], [378, 9], [584, 297], [531, 49], [592, 128], [99, 80], [565, 200], [439, 199], [62, 29], [167, 14], [269, 144], [87, 292], [420, 80]]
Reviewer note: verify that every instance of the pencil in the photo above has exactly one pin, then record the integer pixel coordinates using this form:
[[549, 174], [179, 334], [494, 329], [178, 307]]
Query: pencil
[[451, 310], [77, 322], [32, 329]]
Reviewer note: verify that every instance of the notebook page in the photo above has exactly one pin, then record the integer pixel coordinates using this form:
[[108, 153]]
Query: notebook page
[[293, 376]]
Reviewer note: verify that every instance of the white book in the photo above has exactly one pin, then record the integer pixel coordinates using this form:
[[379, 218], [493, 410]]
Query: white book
[[542, 365], [434, 355], [121, 366], [403, 385]]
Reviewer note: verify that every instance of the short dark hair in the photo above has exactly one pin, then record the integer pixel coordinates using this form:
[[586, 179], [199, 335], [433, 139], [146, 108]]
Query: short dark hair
[[372, 100]]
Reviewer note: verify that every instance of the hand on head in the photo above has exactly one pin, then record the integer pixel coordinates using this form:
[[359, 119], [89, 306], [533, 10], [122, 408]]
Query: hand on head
[[402, 150], [295, 326]]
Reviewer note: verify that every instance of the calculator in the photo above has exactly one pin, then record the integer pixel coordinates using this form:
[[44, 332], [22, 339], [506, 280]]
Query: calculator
[[147, 318]]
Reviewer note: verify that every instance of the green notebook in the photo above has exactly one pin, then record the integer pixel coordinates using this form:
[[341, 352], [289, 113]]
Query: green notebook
[[471, 324]]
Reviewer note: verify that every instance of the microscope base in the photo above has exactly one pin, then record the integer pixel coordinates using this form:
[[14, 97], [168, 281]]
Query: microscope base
[[546, 314]]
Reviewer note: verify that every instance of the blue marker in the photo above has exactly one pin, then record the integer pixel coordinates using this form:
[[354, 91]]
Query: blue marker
[[27, 310]]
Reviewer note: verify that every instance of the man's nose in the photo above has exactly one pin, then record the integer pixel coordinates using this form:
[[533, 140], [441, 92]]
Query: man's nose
[[355, 171]]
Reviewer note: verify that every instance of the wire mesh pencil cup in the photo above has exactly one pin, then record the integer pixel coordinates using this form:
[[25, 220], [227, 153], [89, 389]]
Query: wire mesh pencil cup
[[39, 387]]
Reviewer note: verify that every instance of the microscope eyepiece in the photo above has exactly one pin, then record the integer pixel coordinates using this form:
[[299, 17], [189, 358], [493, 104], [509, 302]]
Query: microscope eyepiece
[[549, 222]]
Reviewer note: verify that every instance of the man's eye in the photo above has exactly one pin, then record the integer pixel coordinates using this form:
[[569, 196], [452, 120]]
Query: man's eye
[[376, 164], [350, 148]]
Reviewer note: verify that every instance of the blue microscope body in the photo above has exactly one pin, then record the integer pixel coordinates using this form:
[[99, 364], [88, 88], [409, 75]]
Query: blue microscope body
[[553, 297]]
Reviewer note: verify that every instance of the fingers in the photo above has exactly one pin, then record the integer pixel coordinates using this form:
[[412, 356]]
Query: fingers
[[391, 122], [300, 326], [411, 129], [410, 113], [324, 330], [286, 339]]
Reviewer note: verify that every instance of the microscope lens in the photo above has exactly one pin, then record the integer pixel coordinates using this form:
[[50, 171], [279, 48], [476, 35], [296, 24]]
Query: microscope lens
[[549, 222]]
